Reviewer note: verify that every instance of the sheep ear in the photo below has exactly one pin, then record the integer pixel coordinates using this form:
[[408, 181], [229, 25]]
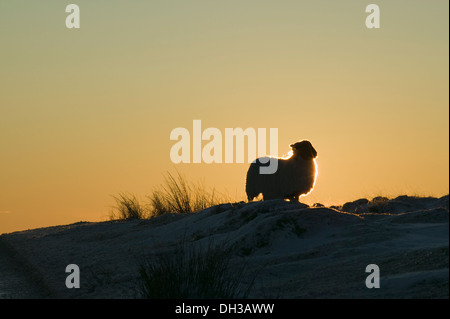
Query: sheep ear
[[292, 145]]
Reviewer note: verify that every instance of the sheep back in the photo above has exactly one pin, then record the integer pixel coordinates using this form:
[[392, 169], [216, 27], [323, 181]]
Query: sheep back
[[294, 177]]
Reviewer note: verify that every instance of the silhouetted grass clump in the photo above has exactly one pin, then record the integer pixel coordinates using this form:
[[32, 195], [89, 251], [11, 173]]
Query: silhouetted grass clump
[[177, 195], [128, 207], [192, 272]]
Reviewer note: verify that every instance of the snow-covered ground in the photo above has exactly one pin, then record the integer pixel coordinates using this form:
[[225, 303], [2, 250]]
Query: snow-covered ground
[[297, 251]]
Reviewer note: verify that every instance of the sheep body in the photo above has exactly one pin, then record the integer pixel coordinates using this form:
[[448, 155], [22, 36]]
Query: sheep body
[[295, 176]]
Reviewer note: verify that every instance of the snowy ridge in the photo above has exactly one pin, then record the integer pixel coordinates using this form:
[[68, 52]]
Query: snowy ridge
[[299, 251]]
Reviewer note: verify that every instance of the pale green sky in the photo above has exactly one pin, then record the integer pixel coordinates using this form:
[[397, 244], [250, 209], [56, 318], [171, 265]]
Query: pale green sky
[[87, 113]]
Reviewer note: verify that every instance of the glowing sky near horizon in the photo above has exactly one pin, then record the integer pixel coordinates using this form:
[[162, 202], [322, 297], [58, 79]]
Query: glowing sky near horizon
[[87, 113]]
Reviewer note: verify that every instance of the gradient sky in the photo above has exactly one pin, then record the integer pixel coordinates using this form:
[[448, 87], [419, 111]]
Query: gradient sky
[[87, 113]]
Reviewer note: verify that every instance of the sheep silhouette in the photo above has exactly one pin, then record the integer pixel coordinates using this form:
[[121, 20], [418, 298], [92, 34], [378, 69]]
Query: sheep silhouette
[[294, 177]]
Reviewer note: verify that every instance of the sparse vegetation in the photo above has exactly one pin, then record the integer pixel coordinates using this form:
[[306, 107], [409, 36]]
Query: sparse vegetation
[[378, 205], [194, 272], [176, 195], [128, 207]]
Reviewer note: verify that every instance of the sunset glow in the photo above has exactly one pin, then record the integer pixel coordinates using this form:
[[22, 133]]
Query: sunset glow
[[87, 113]]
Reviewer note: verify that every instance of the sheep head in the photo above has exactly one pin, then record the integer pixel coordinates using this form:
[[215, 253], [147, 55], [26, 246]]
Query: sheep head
[[304, 149]]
